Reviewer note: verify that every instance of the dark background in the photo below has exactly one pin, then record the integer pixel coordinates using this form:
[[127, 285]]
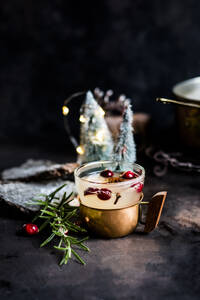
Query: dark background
[[50, 49]]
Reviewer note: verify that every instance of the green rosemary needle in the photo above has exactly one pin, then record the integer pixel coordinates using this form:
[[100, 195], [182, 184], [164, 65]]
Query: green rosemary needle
[[60, 218]]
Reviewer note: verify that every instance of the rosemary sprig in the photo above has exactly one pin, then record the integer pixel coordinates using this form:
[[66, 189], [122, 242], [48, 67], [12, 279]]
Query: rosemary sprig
[[60, 217]]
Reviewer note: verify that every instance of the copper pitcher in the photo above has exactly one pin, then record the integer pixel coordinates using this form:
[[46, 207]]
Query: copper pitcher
[[187, 111]]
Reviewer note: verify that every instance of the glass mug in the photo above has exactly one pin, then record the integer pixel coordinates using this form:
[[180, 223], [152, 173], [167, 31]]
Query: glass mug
[[110, 195]]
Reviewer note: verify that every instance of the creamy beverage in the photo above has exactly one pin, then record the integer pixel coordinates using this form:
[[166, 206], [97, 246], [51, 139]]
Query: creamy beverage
[[110, 189]]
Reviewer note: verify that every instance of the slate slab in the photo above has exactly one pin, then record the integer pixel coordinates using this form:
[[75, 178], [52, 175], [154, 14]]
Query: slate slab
[[38, 170], [20, 194]]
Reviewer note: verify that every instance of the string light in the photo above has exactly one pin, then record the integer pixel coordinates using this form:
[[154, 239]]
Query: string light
[[80, 150], [65, 110], [100, 112], [82, 119], [99, 137]]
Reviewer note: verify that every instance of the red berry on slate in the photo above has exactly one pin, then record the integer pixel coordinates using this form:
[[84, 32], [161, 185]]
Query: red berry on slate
[[90, 191], [129, 175], [104, 194], [31, 229], [107, 173]]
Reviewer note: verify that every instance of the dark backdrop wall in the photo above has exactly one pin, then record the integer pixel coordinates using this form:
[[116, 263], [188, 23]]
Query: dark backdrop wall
[[50, 49]]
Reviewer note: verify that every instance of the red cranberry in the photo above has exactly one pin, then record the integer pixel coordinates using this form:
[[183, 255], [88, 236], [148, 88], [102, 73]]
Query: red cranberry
[[90, 191], [31, 229], [107, 173], [138, 186], [104, 194], [129, 175]]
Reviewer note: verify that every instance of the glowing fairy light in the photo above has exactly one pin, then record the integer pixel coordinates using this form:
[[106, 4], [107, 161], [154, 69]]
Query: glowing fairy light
[[99, 136], [65, 110], [82, 119], [80, 150], [95, 138], [100, 112]]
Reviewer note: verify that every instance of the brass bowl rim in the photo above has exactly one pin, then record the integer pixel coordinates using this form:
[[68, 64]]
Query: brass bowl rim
[[134, 180], [114, 209], [176, 89]]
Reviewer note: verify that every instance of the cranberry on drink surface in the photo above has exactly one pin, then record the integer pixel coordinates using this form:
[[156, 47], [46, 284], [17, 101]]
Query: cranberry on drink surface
[[104, 194], [90, 191], [129, 175], [138, 186], [31, 229], [107, 173]]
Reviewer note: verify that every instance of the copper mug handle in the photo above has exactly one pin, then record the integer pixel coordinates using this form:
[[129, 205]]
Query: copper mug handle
[[154, 211]]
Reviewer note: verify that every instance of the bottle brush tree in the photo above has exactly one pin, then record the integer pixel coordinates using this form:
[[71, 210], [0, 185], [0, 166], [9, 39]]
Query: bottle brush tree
[[95, 138], [125, 149]]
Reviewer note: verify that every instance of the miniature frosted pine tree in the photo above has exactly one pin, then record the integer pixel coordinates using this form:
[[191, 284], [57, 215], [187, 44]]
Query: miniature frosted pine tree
[[95, 138], [125, 150]]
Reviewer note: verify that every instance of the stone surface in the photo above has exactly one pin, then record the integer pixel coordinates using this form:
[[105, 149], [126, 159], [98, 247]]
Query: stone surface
[[21, 194], [37, 170], [161, 265]]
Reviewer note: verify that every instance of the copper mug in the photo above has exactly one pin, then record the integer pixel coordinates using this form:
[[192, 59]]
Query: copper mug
[[121, 222], [122, 219]]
